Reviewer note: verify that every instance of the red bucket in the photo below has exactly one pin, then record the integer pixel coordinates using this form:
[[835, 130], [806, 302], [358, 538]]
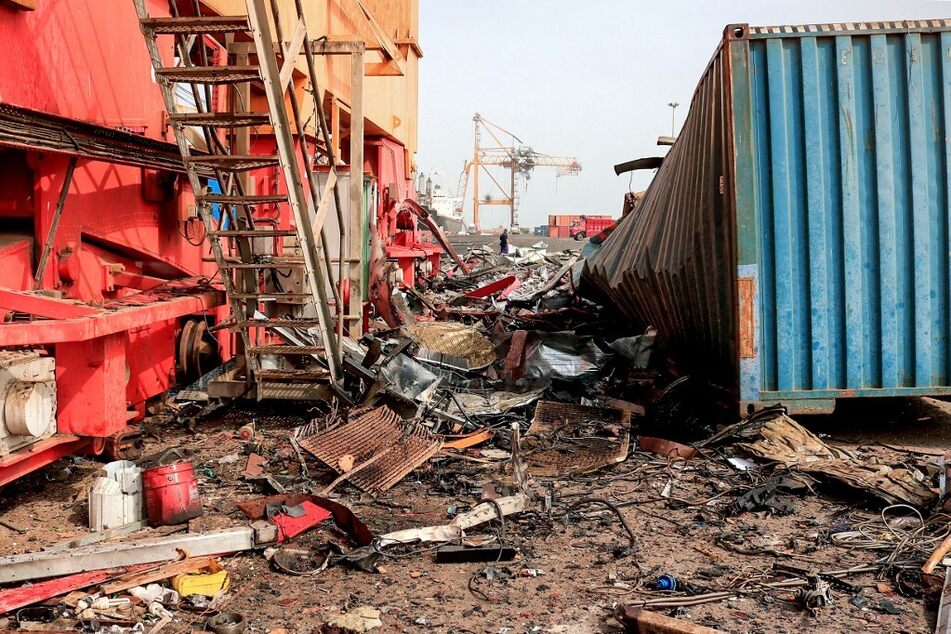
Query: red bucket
[[171, 494]]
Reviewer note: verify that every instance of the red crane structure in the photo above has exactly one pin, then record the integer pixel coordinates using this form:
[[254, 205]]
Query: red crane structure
[[168, 200]]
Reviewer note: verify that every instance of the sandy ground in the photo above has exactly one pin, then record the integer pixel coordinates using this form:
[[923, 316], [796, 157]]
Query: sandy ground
[[584, 565]]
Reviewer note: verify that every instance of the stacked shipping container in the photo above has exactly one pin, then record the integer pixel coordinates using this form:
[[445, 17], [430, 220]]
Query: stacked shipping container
[[566, 225], [559, 225]]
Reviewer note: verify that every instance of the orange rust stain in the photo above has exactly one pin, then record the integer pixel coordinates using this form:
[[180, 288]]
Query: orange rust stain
[[747, 289]]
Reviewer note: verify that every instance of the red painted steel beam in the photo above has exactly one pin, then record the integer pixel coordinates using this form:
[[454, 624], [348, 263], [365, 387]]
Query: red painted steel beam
[[15, 598], [411, 205], [136, 281], [40, 454], [515, 285], [43, 306], [493, 287], [101, 324]]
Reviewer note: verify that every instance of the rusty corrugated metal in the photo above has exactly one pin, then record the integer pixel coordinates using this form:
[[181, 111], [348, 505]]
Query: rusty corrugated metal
[[672, 264], [366, 438]]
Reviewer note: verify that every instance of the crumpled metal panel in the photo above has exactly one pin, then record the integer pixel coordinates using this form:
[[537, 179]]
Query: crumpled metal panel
[[671, 262], [555, 355], [367, 437], [453, 344]]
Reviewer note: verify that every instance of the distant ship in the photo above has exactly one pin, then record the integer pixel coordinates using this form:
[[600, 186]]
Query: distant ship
[[445, 208]]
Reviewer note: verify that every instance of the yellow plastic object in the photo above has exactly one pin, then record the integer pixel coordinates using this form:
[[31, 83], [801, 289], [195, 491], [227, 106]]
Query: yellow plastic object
[[207, 585]]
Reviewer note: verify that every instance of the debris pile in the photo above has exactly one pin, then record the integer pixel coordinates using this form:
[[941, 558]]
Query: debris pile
[[507, 438]]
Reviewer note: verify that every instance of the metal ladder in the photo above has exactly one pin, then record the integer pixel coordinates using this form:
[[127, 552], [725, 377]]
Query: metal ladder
[[242, 268]]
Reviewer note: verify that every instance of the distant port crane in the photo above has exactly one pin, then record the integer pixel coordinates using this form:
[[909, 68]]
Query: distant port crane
[[519, 159]]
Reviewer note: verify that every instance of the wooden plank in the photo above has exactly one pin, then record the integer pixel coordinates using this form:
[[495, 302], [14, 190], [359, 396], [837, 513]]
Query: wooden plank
[[27, 566], [484, 512], [336, 47], [388, 48], [356, 231], [290, 58], [382, 69], [165, 571], [324, 204]]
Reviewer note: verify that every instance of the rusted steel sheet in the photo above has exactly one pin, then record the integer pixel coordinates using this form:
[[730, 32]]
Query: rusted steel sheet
[[671, 264], [561, 439], [378, 435], [794, 244]]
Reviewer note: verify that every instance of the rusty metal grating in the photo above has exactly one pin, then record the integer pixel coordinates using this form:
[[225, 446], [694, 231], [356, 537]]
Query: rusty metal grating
[[209, 74], [379, 435], [566, 439], [233, 162]]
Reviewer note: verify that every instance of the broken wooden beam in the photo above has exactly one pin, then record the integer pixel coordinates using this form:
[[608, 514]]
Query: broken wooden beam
[[641, 621], [940, 553], [158, 573], [41, 565]]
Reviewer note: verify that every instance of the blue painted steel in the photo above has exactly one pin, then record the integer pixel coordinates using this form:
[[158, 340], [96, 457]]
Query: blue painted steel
[[215, 188], [835, 190], [852, 202]]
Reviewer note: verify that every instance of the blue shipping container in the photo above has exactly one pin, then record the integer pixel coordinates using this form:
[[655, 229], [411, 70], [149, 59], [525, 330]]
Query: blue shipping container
[[794, 245]]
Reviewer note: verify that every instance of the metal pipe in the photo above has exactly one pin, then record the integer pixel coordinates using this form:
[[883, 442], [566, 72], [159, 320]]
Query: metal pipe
[[308, 169], [54, 226], [322, 122]]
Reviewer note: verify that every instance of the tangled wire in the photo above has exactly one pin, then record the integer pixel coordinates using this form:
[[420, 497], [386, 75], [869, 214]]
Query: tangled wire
[[907, 538]]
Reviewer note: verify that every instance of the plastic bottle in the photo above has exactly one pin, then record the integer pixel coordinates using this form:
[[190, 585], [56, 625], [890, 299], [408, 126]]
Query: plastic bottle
[[666, 582]]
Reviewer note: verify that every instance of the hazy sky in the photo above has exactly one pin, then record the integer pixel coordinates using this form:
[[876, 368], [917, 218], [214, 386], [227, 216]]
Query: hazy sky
[[589, 79]]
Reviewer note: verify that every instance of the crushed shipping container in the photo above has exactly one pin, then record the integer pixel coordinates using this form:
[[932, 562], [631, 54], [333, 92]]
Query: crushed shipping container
[[794, 245]]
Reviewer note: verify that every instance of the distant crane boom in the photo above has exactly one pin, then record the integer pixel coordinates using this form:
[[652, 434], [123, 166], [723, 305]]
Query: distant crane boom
[[462, 186], [519, 159]]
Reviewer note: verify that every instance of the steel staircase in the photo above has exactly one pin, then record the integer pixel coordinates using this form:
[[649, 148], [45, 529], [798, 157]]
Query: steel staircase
[[247, 273]]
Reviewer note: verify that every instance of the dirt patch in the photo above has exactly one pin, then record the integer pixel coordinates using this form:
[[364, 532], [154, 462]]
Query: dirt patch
[[570, 571]]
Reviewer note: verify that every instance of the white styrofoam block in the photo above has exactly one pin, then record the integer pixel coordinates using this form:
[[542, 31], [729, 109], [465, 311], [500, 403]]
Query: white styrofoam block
[[107, 507], [116, 499]]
